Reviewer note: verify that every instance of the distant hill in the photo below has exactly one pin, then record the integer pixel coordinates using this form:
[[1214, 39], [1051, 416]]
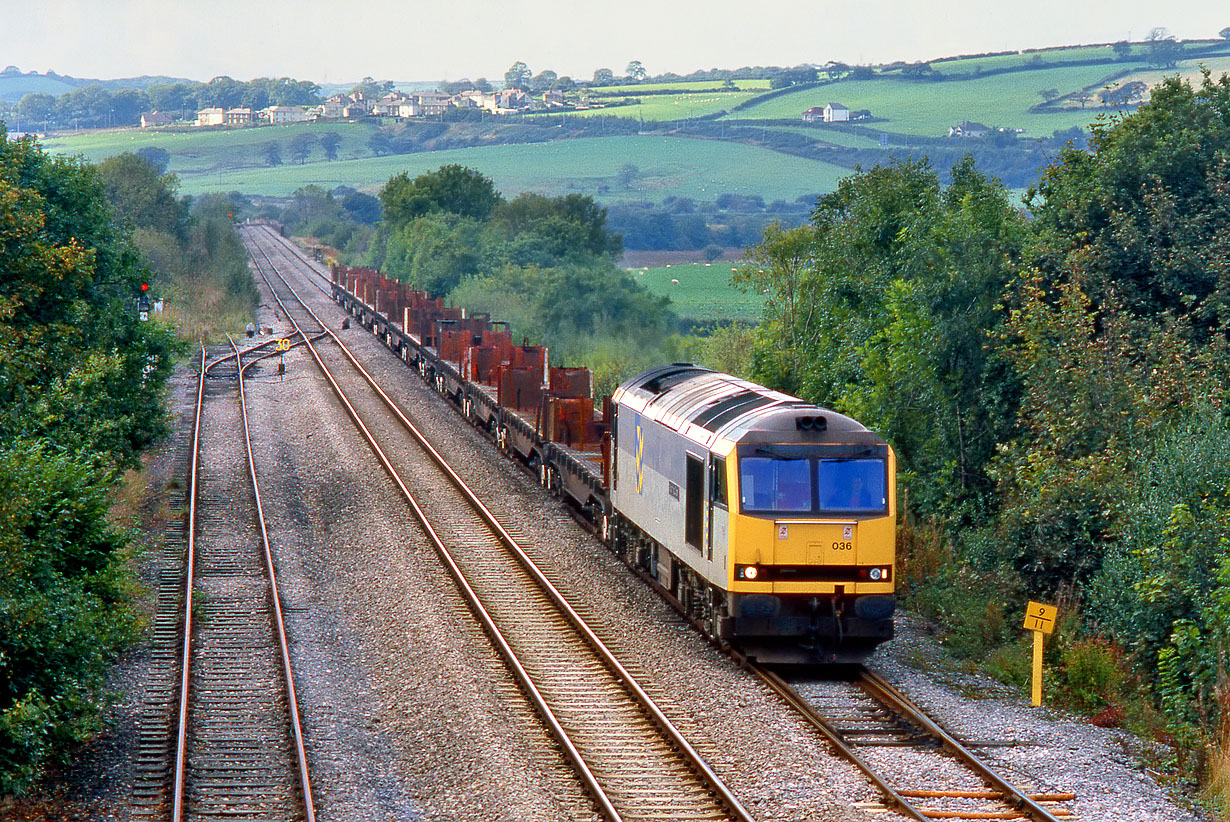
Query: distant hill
[[15, 84]]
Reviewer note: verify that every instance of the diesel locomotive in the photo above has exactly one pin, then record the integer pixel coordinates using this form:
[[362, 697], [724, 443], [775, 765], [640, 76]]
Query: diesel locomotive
[[768, 521]]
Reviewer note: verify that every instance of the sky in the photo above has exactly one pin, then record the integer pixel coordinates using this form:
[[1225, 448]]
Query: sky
[[330, 41]]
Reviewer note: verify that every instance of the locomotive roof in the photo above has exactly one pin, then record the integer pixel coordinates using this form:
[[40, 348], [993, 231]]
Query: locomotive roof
[[704, 404]]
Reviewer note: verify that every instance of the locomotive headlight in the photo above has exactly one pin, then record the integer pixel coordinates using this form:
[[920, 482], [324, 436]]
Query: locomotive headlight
[[750, 572], [875, 573]]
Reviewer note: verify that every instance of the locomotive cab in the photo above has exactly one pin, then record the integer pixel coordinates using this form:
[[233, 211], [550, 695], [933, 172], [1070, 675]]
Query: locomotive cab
[[812, 543]]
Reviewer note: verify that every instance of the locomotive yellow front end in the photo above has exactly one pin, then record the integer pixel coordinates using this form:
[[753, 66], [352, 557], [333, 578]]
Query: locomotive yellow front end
[[812, 543]]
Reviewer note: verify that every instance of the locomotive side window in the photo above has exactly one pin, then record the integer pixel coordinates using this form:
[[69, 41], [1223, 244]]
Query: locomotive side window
[[775, 485], [852, 485], [717, 473]]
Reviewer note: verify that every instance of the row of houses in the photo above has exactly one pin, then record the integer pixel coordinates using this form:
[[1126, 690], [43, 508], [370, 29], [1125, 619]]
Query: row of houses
[[397, 104]]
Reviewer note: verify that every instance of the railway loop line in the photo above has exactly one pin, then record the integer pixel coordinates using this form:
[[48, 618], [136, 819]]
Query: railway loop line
[[626, 752], [220, 735]]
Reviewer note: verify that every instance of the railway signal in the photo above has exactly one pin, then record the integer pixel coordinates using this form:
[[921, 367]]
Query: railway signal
[[1040, 619], [143, 303]]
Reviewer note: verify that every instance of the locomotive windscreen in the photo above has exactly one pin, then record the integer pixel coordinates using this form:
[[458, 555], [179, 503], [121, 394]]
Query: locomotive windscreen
[[812, 485], [852, 485]]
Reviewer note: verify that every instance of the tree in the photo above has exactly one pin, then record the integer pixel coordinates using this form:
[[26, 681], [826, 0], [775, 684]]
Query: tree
[[456, 87], [35, 108], [482, 85], [1163, 49], [364, 208], [157, 158], [543, 80], [330, 141], [272, 152], [71, 349], [223, 92], [880, 306], [603, 77], [565, 83], [636, 72], [142, 196], [1224, 33], [301, 146], [517, 76], [1048, 94], [379, 143], [1140, 218], [1123, 49], [452, 188], [627, 175], [545, 230], [370, 89]]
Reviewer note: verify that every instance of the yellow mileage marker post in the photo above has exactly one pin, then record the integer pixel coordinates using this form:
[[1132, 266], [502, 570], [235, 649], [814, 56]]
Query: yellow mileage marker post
[[1040, 619]]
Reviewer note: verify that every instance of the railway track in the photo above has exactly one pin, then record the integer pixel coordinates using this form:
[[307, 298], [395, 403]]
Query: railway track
[[863, 713], [237, 748], [631, 759]]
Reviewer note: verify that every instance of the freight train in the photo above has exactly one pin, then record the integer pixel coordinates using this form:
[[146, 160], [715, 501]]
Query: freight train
[[767, 520]]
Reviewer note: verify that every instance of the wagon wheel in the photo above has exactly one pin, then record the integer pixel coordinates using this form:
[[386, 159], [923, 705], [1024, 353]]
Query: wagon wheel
[[553, 481]]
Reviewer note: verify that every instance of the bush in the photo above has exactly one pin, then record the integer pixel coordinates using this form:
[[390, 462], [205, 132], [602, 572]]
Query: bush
[[64, 612], [1012, 663], [1092, 674]]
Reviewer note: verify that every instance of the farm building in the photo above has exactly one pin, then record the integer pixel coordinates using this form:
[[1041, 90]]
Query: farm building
[[155, 119]]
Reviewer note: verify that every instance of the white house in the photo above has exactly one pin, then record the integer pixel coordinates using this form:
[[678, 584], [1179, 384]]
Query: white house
[[836, 113], [335, 107], [277, 115], [968, 129], [211, 117]]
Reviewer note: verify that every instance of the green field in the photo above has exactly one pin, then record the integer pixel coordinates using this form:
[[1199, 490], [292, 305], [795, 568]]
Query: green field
[[828, 134], [928, 109], [698, 85], [1140, 52], [700, 169], [999, 62], [683, 106], [703, 291], [195, 152], [1189, 70]]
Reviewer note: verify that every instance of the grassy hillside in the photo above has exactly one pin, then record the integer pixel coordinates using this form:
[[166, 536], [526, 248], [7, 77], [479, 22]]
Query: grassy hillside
[[929, 108], [15, 86], [668, 165], [526, 154]]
